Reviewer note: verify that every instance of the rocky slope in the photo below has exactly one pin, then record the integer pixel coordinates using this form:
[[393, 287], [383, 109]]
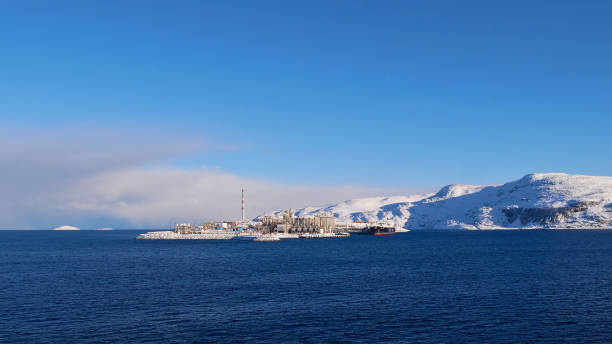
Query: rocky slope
[[553, 200]]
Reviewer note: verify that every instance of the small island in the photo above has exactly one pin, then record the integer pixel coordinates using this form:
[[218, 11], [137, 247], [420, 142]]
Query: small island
[[66, 228], [273, 228]]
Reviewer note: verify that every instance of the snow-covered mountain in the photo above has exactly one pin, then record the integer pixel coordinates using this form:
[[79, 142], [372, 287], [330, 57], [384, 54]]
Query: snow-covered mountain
[[552, 200]]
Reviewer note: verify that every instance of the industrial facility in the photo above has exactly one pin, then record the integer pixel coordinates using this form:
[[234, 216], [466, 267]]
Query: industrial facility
[[289, 223], [285, 224]]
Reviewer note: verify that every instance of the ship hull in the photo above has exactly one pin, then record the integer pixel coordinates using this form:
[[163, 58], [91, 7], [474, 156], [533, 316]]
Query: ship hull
[[384, 233]]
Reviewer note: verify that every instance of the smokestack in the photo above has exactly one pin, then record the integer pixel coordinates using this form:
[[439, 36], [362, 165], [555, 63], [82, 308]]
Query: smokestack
[[242, 204]]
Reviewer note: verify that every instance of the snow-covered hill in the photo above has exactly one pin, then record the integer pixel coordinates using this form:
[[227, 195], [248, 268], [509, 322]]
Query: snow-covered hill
[[553, 200]]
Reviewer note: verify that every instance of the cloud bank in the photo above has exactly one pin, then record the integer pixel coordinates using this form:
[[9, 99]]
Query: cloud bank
[[127, 181]]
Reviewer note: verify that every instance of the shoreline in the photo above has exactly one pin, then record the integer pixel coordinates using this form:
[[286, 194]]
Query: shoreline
[[171, 235]]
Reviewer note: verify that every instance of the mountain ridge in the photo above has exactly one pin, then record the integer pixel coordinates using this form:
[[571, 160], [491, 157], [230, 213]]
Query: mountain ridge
[[537, 200]]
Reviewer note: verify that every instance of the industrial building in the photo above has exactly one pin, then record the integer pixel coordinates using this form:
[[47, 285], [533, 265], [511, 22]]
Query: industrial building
[[287, 223], [184, 228]]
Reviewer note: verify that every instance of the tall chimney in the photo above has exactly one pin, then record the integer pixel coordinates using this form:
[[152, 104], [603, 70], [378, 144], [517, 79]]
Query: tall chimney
[[242, 204]]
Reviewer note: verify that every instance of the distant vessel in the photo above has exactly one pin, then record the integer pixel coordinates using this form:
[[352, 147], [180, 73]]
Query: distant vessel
[[104, 229], [65, 228], [381, 230]]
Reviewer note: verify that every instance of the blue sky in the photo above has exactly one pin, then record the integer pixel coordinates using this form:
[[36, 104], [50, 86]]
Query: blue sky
[[383, 94]]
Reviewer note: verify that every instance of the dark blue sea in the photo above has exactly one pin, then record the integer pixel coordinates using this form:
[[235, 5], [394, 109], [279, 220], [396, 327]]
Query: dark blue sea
[[418, 287]]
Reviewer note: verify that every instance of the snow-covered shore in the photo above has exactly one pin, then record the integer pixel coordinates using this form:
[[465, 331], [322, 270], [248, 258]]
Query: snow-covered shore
[[170, 235], [218, 235]]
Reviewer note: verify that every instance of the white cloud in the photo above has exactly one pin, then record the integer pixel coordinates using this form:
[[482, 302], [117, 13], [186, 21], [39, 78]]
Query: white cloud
[[161, 196], [93, 180]]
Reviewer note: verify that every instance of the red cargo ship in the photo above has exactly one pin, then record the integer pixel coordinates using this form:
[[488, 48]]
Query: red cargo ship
[[381, 230]]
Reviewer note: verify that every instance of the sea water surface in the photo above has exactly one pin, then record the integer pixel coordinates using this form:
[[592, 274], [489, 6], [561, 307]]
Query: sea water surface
[[419, 287]]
